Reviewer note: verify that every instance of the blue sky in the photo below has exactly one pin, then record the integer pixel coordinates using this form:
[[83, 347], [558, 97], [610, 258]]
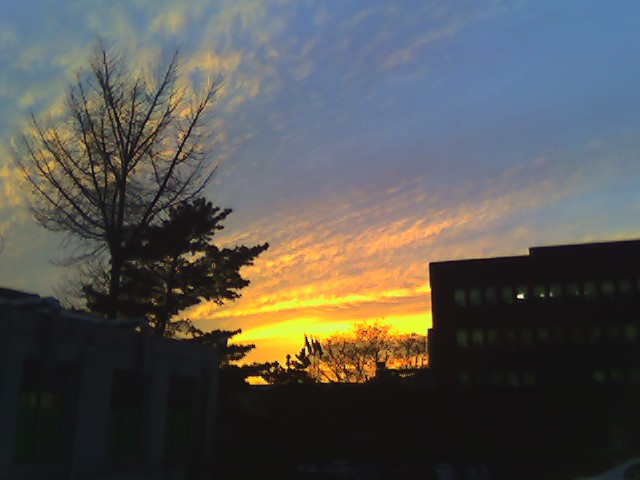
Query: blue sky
[[361, 139]]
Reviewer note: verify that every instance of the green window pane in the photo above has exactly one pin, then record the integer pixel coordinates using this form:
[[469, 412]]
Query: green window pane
[[462, 338], [608, 287], [490, 295], [573, 289], [460, 297], [506, 294], [477, 338], [555, 290], [624, 286], [590, 291], [474, 297]]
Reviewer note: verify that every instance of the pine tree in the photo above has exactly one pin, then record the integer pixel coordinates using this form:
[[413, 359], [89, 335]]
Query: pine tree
[[175, 265]]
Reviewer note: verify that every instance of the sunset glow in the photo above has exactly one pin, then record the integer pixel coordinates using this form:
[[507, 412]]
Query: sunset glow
[[361, 139]]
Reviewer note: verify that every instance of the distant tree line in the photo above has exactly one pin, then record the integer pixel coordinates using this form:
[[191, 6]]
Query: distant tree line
[[351, 357]]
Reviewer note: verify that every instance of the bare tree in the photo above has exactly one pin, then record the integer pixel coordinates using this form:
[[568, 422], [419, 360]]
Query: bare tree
[[356, 356], [129, 147]]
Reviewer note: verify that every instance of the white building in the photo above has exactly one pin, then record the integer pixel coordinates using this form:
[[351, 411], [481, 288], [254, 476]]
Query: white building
[[86, 398]]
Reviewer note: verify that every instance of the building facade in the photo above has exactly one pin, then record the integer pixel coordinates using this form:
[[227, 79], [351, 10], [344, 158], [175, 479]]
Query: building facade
[[82, 397], [559, 315]]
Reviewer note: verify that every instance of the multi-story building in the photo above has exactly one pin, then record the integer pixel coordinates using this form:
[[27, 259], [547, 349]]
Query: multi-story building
[[82, 397], [560, 314]]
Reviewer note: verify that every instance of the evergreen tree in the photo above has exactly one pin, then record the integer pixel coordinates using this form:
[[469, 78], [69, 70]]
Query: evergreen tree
[[174, 266]]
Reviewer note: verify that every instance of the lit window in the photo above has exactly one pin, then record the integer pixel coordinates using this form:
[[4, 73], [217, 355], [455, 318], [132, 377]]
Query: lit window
[[474, 297], [607, 287], [539, 291], [477, 338], [460, 297], [590, 290], [493, 339], [522, 293], [630, 333], [462, 337], [490, 295], [506, 294], [555, 290], [573, 289]]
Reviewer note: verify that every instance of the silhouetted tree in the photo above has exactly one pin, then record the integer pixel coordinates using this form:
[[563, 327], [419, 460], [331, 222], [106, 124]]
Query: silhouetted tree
[[129, 147], [232, 376], [354, 357], [297, 369], [409, 351], [175, 265]]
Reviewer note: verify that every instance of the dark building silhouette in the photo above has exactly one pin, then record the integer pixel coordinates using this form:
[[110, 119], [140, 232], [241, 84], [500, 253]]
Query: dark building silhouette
[[559, 315], [83, 397]]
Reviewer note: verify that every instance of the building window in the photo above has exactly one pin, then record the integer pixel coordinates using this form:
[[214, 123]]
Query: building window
[[496, 379], [126, 410], [462, 338], [460, 297], [599, 376], [539, 292], [522, 293], [624, 287], [630, 332], [542, 334], [513, 379], [577, 335], [490, 295], [612, 332], [464, 379], [526, 337], [41, 410], [528, 378], [181, 408], [594, 333], [559, 335], [510, 337], [477, 338], [506, 294], [590, 290], [607, 287], [573, 289], [555, 290], [493, 339], [474, 297], [616, 375]]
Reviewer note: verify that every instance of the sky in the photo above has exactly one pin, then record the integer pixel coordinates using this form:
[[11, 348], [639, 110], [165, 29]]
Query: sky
[[362, 139]]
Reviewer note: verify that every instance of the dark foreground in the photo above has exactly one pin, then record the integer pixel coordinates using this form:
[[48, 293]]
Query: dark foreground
[[401, 432]]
